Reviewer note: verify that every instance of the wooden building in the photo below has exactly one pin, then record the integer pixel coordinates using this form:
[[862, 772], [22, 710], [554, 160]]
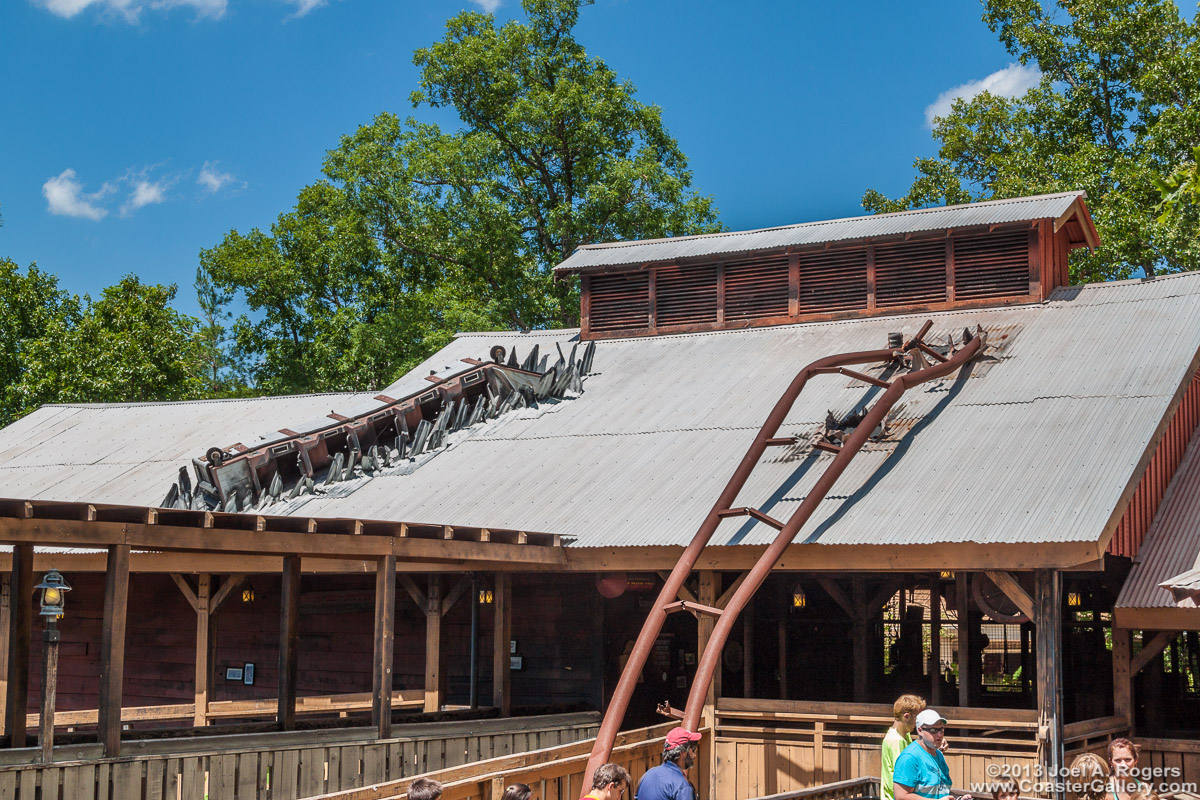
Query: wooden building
[[494, 526]]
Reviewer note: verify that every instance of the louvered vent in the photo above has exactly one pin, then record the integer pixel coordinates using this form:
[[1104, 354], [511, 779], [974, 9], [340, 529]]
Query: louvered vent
[[996, 265], [910, 274], [619, 302], [756, 288], [834, 280], [685, 296]]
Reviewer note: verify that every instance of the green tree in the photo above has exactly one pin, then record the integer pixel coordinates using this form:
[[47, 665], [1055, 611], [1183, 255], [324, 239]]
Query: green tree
[[1117, 108], [416, 231], [1180, 192], [30, 305], [128, 346]]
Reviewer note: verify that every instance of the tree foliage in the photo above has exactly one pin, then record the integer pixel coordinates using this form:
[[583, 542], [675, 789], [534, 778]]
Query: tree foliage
[[417, 231], [1116, 110], [129, 345]]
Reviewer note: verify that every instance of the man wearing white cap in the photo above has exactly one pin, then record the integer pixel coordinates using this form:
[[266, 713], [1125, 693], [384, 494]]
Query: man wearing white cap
[[921, 770]]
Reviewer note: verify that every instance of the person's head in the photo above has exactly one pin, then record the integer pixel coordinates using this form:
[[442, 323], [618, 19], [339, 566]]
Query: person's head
[[518, 791], [906, 708], [1005, 790], [609, 781], [1122, 756], [680, 747], [1090, 774], [424, 789], [931, 729]]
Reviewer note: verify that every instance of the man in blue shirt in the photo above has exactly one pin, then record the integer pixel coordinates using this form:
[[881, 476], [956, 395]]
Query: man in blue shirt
[[921, 770], [668, 781]]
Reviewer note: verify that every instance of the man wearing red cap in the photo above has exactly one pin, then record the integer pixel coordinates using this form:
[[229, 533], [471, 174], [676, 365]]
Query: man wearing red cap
[[668, 781]]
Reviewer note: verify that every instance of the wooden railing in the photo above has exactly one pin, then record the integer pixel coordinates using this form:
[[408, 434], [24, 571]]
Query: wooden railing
[[554, 774], [866, 788], [287, 766], [766, 747], [341, 704]]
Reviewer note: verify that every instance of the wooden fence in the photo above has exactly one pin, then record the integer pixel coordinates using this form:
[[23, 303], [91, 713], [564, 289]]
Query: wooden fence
[[292, 765], [554, 774]]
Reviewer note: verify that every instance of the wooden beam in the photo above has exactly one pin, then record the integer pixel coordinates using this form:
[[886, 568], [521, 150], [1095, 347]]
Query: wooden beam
[[433, 647], [455, 594], [935, 639], [414, 592], [838, 594], [706, 593], [1122, 675], [1013, 590], [966, 669], [203, 587], [684, 593], [748, 650], [860, 632], [188, 594], [1047, 618], [20, 625], [5, 622], [729, 590], [228, 587], [112, 650], [384, 646], [1151, 650], [501, 635], [289, 637]]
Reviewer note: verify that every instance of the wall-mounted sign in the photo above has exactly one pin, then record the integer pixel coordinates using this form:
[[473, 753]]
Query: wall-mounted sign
[[514, 662], [512, 646], [248, 674], [231, 674]]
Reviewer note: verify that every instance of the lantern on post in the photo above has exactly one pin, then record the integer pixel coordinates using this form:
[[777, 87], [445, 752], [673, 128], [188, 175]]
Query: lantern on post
[[54, 598]]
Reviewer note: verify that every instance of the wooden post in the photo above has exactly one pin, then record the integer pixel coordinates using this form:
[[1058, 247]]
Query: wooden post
[[1122, 679], [20, 624], [5, 621], [51, 638], [501, 635], [783, 659], [1048, 619], [112, 649], [706, 594], [203, 617], [433, 646], [965, 672], [289, 635], [748, 650], [935, 640], [860, 632], [385, 637]]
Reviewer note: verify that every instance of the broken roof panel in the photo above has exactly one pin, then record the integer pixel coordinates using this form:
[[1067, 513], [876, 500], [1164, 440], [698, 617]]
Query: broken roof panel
[[992, 212], [1037, 444]]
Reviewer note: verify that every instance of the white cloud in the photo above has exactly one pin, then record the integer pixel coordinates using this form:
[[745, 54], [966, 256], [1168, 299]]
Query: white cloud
[[212, 179], [131, 10], [303, 7], [488, 6], [1012, 81], [65, 197], [145, 193]]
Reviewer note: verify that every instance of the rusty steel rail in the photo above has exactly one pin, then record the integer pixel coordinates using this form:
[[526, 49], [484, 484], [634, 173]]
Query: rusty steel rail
[[765, 438]]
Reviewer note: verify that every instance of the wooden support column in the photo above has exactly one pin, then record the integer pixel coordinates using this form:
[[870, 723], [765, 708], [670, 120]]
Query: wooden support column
[[1122, 675], [385, 637], [20, 622], [935, 640], [1047, 610], [433, 646], [112, 649], [783, 659], [706, 594], [965, 672], [748, 650], [289, 636], [203, 588], [501, 636], [860, 633]]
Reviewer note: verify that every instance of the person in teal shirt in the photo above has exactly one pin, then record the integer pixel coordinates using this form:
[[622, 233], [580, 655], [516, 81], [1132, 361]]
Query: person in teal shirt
[[898, 737], [921, 770]]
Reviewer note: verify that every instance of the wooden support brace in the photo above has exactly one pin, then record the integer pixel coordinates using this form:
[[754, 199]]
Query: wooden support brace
[[414, 592], [1013, 591], [685, 605], [1151, 650], [782, 441], [461, 588], [684, 593], [838, 594], [827, 447]]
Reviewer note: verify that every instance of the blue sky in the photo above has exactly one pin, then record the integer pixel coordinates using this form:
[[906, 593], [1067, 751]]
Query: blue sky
[[136, 132]]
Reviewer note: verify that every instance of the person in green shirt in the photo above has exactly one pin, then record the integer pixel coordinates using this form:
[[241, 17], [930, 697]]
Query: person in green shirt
[[898, 737]]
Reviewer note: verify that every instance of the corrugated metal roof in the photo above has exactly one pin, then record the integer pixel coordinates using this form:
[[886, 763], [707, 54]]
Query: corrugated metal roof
[[1171, 552], [991, 212], [1036, 446]]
